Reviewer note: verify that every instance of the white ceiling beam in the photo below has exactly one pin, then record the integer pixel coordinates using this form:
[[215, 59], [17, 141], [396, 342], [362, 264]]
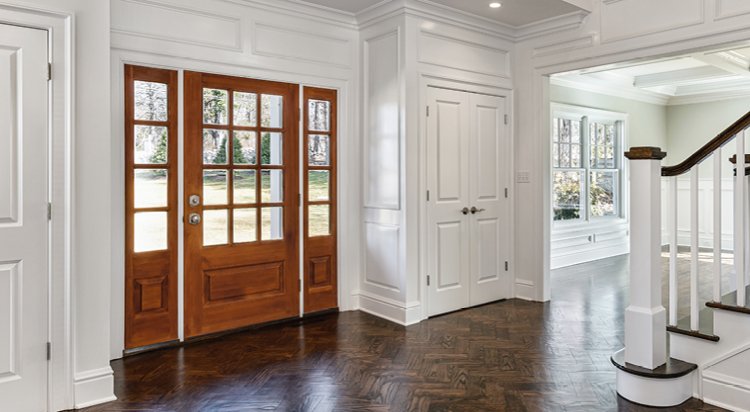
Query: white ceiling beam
[[680, 77], [730, 61]]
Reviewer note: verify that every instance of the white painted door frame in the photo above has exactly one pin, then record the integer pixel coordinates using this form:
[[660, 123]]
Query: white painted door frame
[[59, 25], [430, 81]]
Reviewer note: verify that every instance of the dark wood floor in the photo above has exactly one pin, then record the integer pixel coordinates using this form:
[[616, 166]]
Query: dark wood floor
[[507, 356]]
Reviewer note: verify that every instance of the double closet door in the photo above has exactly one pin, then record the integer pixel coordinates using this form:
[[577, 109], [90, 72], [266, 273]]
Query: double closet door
[[249, 197], [468, 207]]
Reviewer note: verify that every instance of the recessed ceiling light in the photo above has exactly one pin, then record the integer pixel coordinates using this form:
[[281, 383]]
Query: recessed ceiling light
[[495, 5]]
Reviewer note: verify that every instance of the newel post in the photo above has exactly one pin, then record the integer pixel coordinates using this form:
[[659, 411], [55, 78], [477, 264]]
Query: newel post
[[645, 318]]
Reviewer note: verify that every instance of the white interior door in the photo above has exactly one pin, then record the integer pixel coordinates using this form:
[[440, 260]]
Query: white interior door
[[467, 213], [23, 219], [448, 182], [488, 179]]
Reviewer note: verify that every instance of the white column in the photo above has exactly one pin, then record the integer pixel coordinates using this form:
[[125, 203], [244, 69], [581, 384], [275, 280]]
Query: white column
[[645, 318]]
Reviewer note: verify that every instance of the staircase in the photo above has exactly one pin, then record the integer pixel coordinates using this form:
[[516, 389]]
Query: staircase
[[708, 352]]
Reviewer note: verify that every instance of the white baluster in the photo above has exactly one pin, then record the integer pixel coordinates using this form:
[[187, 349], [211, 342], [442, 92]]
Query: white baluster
[[739, 219], [717, 225], [694, 248], [672, 208]]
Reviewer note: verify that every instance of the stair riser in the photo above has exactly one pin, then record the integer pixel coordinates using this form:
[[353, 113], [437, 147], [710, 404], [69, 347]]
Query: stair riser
[[726, 395]]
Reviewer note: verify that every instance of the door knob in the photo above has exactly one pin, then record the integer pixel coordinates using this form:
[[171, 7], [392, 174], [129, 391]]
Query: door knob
[[474, 210], [465, 210], [194, 219]]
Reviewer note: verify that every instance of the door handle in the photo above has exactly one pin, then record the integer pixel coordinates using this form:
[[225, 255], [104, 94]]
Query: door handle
[[465, 210], [194, 219], [474, 210]]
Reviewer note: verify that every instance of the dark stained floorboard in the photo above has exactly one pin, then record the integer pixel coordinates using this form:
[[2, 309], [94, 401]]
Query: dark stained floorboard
[[507, 356]]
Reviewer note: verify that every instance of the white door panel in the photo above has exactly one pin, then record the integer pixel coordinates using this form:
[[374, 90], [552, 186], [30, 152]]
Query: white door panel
[[23, 219], [487, 191], [467, 159], [448, 231]]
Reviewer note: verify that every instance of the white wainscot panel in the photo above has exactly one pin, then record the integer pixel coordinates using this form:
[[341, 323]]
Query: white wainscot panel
[[287, 43], [382, 256], [9, 149], [489, 242], [382, 147], [449, 255], [9, 320], [177, 24], [463, 55], [731, 8], [624, 19]]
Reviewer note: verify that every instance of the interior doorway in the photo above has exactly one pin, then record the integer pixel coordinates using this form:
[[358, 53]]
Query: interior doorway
[[468, 207]]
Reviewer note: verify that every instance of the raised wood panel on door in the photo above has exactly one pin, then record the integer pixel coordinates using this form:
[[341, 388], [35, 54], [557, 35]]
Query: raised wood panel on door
[[319, 160], [24, 229], [150, 269], [447, 225], [252, 275]]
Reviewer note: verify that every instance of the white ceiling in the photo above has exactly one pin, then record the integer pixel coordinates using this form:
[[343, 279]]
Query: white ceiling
[[512, 12], [704, 76]]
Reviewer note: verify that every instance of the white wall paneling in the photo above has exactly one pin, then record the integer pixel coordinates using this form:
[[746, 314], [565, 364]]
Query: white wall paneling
[[618, 17], [463, 55], [731, 8], [146, 18]]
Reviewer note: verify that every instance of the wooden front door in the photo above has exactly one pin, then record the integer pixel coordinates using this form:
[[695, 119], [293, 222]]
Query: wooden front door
[[241, 202]]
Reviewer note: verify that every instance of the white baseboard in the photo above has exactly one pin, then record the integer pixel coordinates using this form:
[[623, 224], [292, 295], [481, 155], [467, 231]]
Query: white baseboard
[[389, 309], [723, 391], [525, 289], [589, 254], [94, 387]]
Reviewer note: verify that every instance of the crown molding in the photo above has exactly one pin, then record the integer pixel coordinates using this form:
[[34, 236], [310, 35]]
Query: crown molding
[[709, 97], [300, 8], [386, 9], [570, 21], [612, 89]]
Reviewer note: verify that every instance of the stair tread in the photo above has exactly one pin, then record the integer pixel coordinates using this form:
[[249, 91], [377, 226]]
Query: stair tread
[[729, 302], [674, 368], [706, 326]]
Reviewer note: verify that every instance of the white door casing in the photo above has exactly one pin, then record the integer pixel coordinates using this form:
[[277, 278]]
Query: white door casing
[[467, 158], [24, 229]]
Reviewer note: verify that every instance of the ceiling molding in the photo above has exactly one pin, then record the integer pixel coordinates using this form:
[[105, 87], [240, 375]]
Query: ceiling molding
[[709, 97], [570, 21], [680, 77], [300, 8], [611, 89]]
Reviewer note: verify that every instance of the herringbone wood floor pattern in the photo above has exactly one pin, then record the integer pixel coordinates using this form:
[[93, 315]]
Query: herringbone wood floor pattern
[[506, 356]]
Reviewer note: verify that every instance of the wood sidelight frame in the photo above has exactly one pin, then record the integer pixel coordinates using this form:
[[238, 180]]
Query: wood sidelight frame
[[150, 276], [239, 283], [320, 251]]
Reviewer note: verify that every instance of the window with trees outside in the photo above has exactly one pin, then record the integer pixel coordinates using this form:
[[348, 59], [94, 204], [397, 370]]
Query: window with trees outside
[[586, 164]]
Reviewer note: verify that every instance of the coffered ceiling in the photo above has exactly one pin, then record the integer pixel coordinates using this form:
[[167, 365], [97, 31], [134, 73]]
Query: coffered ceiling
[[697, 77]]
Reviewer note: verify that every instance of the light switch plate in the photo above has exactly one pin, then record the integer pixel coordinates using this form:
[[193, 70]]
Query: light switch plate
[[523, 176]]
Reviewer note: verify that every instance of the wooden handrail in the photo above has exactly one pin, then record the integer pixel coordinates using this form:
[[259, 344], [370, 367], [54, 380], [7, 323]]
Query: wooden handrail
[[716, 143]]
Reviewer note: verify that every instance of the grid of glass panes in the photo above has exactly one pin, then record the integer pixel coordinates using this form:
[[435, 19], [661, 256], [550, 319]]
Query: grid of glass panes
[[319, 167], [151, 164], [603, 172], [568, 175], [243, 167]]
